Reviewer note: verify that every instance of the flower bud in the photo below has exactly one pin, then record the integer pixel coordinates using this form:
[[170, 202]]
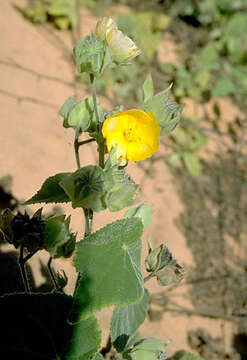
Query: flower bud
[[91, 55], [122, 47], [152, 261], [103, 25], [162, 264]]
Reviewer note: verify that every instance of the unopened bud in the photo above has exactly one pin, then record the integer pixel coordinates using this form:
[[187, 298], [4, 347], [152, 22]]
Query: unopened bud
[[122, 47], [104, 24], [162, 264], [152, 261]]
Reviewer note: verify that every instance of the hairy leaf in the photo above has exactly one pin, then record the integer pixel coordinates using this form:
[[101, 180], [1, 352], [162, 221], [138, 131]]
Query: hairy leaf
[[109, 263], [66, 108], [51, 191], [183, 355], [167, 113], [144, 212], [98, 356], [86, 188], [192, 163], [148, 349], [59, 241], [126, 320], [82, 116], [148, 88], [120, 188]]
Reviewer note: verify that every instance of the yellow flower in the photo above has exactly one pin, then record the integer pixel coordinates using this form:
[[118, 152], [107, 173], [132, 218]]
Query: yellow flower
[[103, 25], [121, 46], [135, 132]]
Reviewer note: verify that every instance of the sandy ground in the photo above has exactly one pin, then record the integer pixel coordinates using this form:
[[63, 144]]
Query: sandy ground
[[34, 145]]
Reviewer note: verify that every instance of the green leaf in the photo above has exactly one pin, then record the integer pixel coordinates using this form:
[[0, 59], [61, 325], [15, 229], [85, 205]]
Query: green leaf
[[120, 188], [109, 263], [148, 88], [81, 115], [224, 86], [121, 196], [36, 327], [51, 191], [208, 58], [183, 355], [85, 340], [98, 356], [86, 188], [174, 158], [63, 9], [58, 240], [65, 110], [148, 349], [126, 320], [167, 114], [62, 22], [192, 163], [202, 79], [144, 212]]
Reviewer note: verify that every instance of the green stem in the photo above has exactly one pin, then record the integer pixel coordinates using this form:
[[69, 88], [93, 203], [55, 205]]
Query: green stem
[[93, 87], [88, 213], [101, 150], [85, 141], [101, 141], [23, 270], [76, 148], [52, 274]]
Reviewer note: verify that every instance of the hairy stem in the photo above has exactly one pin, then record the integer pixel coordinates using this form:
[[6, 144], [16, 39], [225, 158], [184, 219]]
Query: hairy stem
[[23, 270], [101, 142], [80, 143], [93, 87], [76, 148], [88, 213]]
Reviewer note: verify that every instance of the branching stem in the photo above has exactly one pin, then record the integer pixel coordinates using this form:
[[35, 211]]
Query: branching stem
[[84, 142]]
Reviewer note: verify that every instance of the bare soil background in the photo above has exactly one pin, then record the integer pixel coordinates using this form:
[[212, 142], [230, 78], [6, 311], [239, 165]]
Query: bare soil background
[[202, 221]]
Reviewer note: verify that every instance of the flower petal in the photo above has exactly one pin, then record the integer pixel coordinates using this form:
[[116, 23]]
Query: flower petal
[[136, 133]]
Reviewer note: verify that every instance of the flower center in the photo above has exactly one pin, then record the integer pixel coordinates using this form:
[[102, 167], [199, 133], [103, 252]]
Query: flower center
[[131, 134]]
